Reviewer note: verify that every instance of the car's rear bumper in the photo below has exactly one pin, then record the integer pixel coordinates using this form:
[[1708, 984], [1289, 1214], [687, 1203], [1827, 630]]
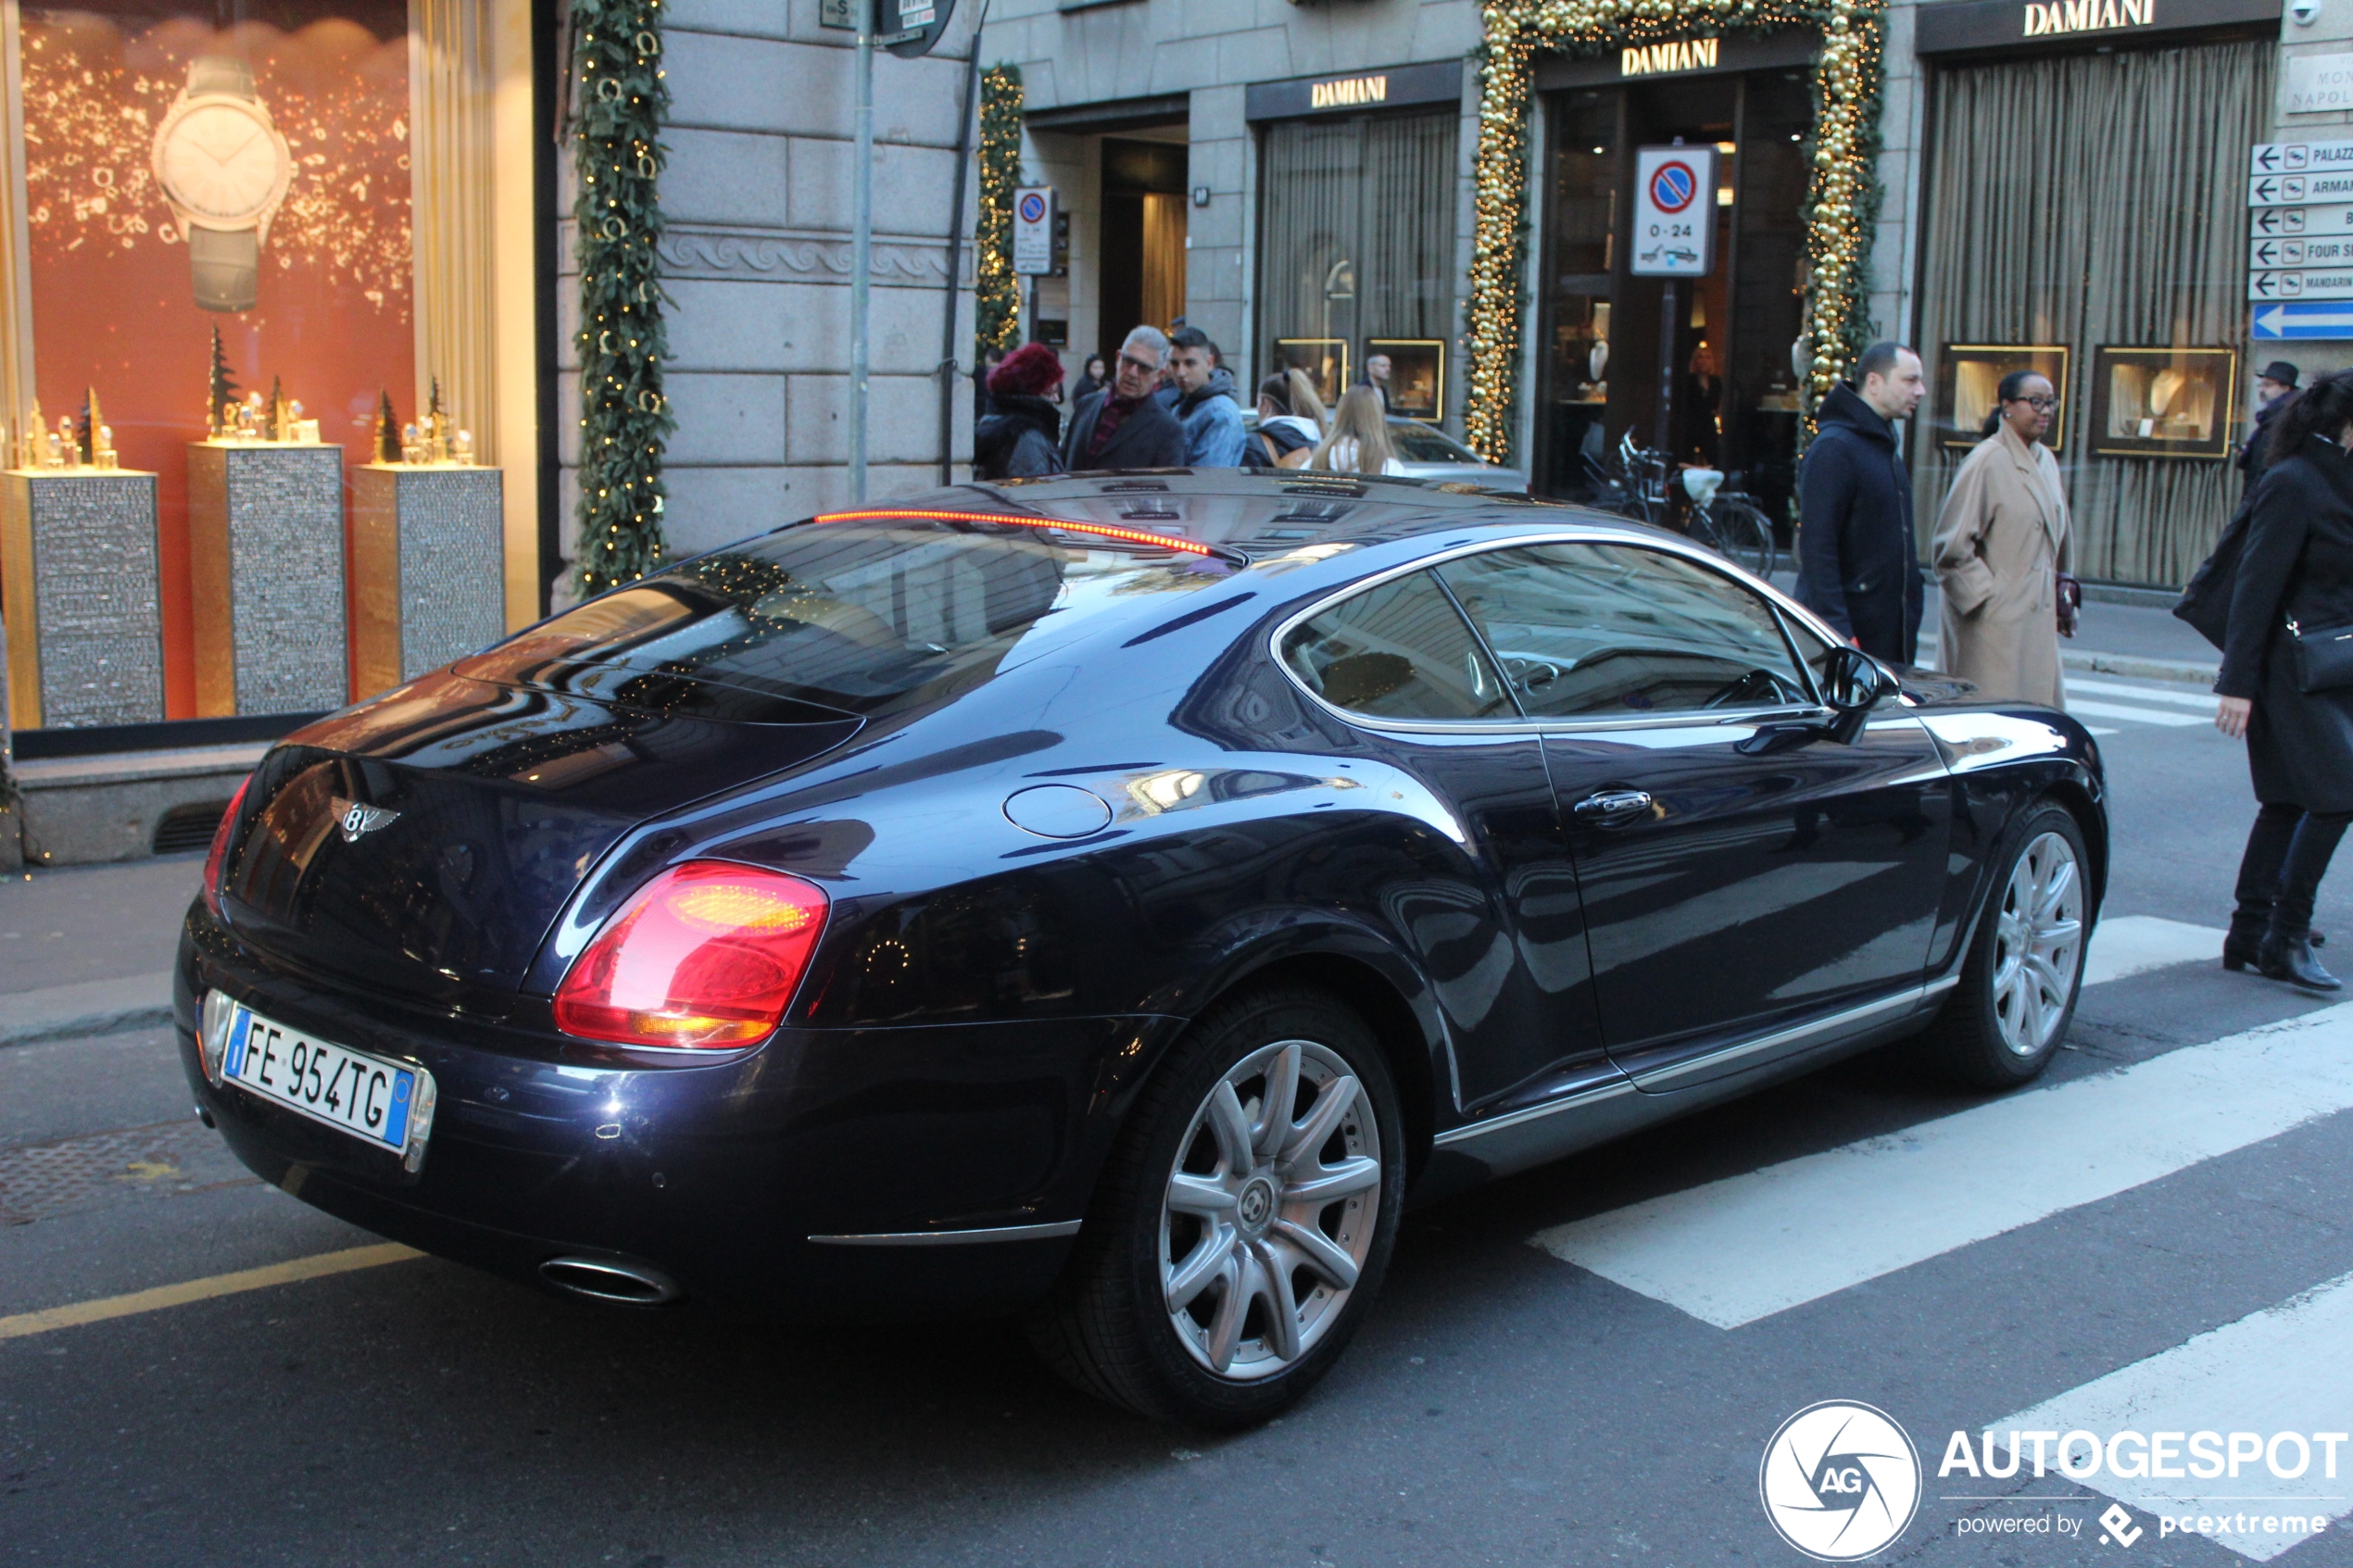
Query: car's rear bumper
[[716, 1176]]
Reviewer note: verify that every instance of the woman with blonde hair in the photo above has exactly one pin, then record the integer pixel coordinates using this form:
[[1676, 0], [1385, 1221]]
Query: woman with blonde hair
[[1359, 439], [1292, 418]]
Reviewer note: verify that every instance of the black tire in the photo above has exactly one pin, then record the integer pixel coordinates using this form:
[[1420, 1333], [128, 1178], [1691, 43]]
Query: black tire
[[1978, 1037], [1738, 532], [1110, 1329]]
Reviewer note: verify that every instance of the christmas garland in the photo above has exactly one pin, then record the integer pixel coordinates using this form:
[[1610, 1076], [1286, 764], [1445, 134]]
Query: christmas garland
[[996, 295], [624, 419], [1842, 206]]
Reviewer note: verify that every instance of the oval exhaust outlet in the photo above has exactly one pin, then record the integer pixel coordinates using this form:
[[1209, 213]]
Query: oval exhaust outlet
[[615, 1280]]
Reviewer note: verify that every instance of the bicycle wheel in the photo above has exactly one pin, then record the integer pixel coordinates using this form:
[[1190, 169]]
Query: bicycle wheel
[[1739, 532]]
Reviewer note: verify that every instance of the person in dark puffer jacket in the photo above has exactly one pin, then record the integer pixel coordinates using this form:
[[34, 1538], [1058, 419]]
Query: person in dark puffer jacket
[[1858, 566], [1022, 438]]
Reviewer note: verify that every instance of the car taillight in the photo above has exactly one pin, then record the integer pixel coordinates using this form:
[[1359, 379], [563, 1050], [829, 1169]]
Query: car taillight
[[704, 957], [215, 862]]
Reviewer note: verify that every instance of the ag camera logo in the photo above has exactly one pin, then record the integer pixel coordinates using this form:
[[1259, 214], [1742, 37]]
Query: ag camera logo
[[1840, 1481]]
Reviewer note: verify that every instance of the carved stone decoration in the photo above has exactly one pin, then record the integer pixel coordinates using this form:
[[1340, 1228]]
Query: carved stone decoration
[[695, 253]]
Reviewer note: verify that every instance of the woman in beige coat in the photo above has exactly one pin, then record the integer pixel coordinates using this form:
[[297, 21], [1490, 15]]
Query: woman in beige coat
[[2000, 546]]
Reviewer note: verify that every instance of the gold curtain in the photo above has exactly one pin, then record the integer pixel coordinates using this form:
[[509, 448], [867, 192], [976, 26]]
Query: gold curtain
[[2091, 200], [1163, 257], [452, 143]]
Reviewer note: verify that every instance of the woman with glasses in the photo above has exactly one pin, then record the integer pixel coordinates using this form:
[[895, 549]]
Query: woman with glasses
[[2001, 551]]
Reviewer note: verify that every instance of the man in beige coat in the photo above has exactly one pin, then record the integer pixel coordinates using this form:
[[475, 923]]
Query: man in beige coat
[[2001, 544]]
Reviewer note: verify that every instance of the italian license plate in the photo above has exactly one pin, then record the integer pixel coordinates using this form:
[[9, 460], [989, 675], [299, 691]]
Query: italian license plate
[[384, 1103]]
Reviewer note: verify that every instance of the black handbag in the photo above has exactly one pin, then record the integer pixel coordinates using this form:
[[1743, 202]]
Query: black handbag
[[2205, 603], [2324, 657]]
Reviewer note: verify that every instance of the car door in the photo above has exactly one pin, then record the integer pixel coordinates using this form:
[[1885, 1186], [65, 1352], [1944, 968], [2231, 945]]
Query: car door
[[1508, 960], [1752, 883]]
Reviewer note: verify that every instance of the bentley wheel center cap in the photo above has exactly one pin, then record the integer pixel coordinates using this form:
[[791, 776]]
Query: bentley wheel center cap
[[1256, 1204]]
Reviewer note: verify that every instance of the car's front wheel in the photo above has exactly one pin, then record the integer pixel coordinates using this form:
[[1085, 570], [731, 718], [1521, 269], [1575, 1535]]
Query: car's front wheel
[[2004, 1021], [1243, 1223]]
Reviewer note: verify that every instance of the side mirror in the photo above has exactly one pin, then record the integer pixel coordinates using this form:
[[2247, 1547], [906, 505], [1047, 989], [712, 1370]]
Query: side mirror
[[1853, 684]]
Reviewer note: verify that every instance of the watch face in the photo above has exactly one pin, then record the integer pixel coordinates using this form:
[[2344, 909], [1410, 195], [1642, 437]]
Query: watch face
[[222, 161]]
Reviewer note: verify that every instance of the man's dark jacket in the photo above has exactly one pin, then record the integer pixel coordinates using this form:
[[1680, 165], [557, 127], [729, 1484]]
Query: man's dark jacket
[[2256, 455], [1149, 437], [1857, 564]]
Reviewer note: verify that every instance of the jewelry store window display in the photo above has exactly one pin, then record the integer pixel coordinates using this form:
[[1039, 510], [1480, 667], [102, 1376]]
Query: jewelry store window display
[[186, 178]]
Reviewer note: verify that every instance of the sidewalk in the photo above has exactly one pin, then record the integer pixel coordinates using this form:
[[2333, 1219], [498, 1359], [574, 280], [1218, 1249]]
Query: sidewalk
[[87, 950], [2134, 640]]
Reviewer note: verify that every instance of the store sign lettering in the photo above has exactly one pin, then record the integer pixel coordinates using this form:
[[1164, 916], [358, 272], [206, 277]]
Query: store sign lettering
[[2086, 16], [1684, 53], [1347, 91]]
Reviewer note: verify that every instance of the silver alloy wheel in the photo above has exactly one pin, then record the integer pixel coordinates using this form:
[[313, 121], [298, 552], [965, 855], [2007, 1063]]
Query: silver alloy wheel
[[1261, 1239], [2038, 945]]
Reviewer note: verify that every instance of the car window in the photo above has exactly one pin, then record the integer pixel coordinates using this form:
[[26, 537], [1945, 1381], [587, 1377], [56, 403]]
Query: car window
[[1419, 443], [1813, 649], [1398, 650], [1617, 630]]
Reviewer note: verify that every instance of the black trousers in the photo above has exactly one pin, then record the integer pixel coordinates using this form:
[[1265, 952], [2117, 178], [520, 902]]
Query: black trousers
[[2288, 851]]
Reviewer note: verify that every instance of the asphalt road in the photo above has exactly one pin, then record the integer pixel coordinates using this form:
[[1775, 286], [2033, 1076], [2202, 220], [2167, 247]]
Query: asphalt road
[[1504, 1404]]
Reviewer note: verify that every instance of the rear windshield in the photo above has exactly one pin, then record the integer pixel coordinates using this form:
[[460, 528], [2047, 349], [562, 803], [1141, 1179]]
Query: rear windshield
[[860, 617], [1419, 443]]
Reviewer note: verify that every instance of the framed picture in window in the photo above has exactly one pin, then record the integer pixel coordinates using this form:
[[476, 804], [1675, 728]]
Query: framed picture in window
[[1323, 358], [1968, 381], [1416, 375], [2162, 402]]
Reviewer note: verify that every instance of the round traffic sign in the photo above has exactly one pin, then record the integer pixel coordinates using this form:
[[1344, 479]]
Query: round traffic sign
[[1033, 207], [1672, 186]]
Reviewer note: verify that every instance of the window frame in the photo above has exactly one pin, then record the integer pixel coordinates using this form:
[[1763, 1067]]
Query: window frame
[[1691, 719]]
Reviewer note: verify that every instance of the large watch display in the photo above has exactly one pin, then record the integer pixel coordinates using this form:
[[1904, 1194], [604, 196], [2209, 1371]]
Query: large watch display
[[224, 168]]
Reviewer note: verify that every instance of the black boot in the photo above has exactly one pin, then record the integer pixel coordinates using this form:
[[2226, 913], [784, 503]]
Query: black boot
[[2243, 947], [2288, 957]]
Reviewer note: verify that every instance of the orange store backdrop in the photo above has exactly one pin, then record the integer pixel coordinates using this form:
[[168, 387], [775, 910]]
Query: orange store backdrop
[[112, 304]]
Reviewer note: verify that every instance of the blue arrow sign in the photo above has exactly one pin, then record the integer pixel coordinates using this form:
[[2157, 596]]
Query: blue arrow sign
[[2305, 319]]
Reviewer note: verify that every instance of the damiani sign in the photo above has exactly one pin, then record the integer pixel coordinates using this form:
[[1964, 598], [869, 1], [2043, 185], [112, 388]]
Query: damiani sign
[[1359, 89], [1687, 53], [2086, 16]]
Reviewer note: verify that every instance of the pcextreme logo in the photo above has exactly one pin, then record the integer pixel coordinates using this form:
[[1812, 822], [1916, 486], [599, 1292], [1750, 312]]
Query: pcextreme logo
[[1840, 1481]]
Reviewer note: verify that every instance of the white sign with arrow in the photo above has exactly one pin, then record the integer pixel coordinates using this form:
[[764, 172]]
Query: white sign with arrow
[[2286, 323], [2333, 283], [2295, 157], [2273, 255], [2292, 223], [2296, 190]]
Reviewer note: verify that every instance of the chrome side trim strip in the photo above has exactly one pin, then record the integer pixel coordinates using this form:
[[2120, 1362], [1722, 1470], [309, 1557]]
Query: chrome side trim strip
[[1594, 1095], [953, 1238], [1782, 1037]]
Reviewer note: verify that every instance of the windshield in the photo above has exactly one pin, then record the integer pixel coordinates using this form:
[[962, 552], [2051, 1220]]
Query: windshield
[[862, 618], [1419, 443]]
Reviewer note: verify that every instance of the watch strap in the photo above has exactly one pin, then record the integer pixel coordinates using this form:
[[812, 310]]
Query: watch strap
[[227, 264], [219, 73]]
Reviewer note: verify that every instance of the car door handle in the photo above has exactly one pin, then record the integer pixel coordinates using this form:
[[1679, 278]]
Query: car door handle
[[1613, 806]]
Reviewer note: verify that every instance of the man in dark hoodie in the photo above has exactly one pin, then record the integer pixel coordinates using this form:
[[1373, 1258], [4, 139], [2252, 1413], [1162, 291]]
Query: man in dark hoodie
[[1121, 426], [1021, 439], [1858, 566], [1206, 402]]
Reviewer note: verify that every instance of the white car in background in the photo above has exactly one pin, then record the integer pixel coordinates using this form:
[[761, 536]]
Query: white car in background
[[1429, 453]]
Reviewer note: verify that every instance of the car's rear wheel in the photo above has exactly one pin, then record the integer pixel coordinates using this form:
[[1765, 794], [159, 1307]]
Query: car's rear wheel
[[1243, 1223], [2004, 1021]]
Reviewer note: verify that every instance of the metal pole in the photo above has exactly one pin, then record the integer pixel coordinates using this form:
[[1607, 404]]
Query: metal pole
[[951, 383], [862, 244], [1668, 329]]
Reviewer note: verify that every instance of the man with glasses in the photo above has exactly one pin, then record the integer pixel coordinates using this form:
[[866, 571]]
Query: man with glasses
[[1858, 568], [1123, 426]]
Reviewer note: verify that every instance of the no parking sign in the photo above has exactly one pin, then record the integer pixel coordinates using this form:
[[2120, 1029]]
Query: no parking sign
[[1674, 212], [1033, 229]]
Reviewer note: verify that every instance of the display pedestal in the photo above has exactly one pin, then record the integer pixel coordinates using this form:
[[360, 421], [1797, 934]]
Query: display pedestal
[[265, 555], [428, 569], [83, 601]]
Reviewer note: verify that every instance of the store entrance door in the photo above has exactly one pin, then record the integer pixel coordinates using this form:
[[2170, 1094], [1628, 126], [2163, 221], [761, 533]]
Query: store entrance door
[[1727, 350], [1140, 279]]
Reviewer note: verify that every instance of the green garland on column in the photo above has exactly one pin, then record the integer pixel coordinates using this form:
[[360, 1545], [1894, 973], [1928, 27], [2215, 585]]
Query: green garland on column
[[996, 302], [624, 419]]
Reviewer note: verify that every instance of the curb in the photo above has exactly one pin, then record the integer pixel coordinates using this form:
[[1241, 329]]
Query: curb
[[93, 1008], [2181, 670]]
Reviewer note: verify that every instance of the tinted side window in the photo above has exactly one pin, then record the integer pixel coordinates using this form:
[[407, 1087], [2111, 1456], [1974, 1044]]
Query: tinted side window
[[1398, 651], [1614, 631]]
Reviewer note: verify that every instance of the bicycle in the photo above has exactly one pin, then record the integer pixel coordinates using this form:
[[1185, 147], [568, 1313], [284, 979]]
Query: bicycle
[[1729, 523]]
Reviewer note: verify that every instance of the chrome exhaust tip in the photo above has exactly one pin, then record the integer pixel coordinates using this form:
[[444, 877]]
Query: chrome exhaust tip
[[615, 1281]]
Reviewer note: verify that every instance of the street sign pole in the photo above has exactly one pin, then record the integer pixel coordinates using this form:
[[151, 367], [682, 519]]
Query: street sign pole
[[1667, 335], [862, 244]]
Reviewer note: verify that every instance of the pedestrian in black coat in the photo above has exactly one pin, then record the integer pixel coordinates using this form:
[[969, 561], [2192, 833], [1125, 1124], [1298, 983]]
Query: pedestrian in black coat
[[1857, 563], [1123, 426], [2296, 567], [1022, 439], [2275, 386]]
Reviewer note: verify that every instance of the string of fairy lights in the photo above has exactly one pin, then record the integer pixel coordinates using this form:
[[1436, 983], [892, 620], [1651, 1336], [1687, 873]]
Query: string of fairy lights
[[1842, 199], [997, 305], [624, 418]]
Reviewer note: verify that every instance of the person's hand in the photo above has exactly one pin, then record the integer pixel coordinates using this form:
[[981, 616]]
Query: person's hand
[[2230, 714]]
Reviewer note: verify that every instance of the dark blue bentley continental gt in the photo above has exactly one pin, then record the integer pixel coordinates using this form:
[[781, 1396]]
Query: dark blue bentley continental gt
[[1108, 898]]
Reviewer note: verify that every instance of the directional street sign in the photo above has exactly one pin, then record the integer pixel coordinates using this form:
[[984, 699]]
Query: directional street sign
[[2276, 190], [2333, 283], [2271, 255], [2303, 319], [2295, 157]]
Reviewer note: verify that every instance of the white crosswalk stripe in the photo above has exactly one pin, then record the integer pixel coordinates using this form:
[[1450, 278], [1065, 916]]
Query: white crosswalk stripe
[[2126, 945], [2177, 696], [2087, 707], [2286, 1369]]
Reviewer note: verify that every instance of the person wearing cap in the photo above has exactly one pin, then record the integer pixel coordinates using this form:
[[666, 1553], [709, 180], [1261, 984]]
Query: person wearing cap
[[1021, 436], [2275, 385]]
